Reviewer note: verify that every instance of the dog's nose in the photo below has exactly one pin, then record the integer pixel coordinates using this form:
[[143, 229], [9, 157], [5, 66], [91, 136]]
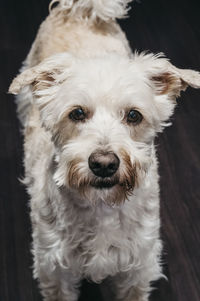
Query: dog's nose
[[103, 164]]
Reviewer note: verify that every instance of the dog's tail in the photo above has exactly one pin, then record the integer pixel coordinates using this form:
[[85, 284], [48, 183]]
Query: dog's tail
[[93, 10]]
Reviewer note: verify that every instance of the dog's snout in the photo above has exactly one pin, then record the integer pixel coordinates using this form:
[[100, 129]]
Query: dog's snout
[[103, 164]]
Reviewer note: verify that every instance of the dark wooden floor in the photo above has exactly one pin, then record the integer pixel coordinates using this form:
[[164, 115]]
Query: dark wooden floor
[[171, 26]]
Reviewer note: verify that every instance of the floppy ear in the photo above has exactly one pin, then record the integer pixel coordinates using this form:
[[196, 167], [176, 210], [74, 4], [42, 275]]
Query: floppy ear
[[171, 80], [31, 76], [41, 76]]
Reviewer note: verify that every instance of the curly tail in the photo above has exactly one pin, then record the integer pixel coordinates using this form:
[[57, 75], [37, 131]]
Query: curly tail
[[94, 10]]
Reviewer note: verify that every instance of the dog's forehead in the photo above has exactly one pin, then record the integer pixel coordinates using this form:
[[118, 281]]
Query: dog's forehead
[[112, 83]]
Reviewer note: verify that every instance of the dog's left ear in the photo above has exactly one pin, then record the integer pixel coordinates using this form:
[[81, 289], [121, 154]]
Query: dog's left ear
[[171, 80]]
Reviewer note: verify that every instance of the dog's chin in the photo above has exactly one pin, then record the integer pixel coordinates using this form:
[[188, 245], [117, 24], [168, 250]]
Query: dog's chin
[[104, 183], [111, 190]]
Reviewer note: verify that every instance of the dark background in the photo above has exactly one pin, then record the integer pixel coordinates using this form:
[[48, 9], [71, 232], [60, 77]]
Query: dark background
[[170, 26]]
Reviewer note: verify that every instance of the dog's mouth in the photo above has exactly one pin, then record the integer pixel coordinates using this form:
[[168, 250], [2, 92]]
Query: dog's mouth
[[104, 183]]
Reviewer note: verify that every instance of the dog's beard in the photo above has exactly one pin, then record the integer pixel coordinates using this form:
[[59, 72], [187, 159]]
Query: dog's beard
[[112, 190]]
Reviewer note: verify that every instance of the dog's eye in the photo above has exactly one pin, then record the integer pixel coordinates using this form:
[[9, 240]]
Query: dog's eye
[[77, 115], [134, 117]]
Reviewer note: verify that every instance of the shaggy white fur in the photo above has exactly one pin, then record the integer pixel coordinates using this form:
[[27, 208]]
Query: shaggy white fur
[[90, 111], [94, 9]]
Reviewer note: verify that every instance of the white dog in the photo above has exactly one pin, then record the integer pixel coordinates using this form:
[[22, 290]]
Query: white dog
[[91, 110]]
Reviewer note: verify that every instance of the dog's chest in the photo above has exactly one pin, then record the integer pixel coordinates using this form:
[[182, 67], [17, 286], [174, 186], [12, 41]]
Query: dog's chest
[[102, 244]]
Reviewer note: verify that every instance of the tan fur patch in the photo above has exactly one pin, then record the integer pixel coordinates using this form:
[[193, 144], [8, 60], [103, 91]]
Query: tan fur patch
[[75, 179], [137, 131], [45, 80], [66, 128], [167, 83], [130, 176], [28, 130]]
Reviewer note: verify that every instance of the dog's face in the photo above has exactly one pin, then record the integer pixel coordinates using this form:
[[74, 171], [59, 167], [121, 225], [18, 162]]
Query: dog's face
[[103, 115]]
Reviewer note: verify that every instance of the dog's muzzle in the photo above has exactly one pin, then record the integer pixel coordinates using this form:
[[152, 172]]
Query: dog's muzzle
[[104, 166]]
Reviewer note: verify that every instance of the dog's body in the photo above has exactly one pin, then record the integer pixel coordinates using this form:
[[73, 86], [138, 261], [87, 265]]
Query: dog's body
[[86, 100]]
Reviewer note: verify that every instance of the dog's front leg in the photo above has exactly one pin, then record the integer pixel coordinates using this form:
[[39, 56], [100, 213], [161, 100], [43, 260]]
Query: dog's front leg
[[57, 281], [60, 285], [133, 294], [69, 285], [127, 288]]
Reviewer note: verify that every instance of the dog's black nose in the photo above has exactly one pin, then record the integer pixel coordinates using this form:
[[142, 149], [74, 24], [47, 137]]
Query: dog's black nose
[[103, 164]]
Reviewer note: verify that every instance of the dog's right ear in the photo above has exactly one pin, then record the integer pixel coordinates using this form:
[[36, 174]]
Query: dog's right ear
[[42, 75], [33, 77]]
